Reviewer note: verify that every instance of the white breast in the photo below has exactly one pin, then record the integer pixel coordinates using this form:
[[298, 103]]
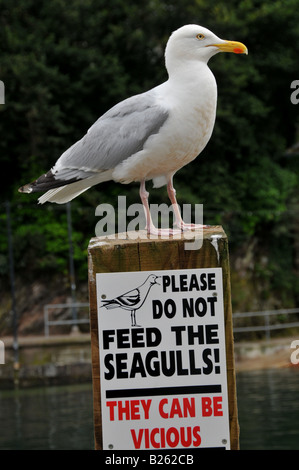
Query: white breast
[[192, 110]]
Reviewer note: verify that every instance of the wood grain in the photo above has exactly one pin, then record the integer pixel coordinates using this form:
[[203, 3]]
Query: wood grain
[[106, 255]]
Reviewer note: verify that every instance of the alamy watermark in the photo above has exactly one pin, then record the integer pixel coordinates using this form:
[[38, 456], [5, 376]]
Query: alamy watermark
[[130, 222], [2, 353], [295, 94], [2, 92], [295, 354]]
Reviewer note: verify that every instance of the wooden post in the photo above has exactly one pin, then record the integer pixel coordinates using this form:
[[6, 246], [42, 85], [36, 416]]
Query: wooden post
[[127, 255]]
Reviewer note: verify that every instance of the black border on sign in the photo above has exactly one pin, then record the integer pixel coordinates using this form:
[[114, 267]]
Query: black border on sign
[[143, 392]]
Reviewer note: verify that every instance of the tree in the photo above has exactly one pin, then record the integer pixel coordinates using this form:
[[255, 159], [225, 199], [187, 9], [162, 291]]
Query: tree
[[66, 63]]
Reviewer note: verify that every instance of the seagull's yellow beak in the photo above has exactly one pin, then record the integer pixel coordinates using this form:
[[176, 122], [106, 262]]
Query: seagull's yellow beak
[[232, 46]]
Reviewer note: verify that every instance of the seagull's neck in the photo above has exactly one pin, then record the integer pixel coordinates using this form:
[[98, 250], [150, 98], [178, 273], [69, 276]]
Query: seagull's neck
[[145, 286], [144, 290], [190, 73], [193, 78]]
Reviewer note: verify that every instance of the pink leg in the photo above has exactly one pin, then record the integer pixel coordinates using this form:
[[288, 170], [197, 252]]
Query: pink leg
[[144, 199], [179, 221], [150, 228]]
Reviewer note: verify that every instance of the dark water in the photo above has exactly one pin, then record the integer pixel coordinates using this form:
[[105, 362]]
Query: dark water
[[47, 418], [268, 407], [61, 417]]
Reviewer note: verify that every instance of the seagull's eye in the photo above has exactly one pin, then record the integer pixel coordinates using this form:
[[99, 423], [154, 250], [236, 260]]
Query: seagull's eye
[[200, 36]]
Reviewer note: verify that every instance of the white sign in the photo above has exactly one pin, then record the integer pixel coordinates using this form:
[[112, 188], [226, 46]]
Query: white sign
[[162, 359]]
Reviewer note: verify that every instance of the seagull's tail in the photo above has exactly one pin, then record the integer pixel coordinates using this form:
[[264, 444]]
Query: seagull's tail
[[63, 191], [63, 194], [68, 192], [110, 304]]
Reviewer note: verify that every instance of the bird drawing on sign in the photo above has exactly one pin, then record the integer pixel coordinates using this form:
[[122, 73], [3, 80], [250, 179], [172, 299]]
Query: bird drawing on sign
[[149, 136], [134, 299]]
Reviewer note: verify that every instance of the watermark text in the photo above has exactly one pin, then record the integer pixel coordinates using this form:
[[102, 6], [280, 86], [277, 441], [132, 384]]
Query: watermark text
[[295, 94], [2, 92], [2, 353], [130, 222], [295, 354]]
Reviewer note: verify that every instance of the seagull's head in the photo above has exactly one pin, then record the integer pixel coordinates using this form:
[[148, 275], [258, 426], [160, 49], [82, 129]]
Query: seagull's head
[[153, 279], [193, 42]]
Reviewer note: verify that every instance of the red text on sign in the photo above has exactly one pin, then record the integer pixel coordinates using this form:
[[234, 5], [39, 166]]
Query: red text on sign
[[177, 409], [128, 409], [159, 438], [211, 406]]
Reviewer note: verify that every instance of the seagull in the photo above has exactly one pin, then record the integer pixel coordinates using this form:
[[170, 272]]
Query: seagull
[[149, 136], [134, 299]]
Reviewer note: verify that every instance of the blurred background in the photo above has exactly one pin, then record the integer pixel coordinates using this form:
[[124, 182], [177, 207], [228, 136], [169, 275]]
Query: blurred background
[[64, 64]]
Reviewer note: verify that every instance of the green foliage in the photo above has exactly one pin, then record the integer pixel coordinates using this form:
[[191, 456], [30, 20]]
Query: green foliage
[[65, 63], [41, 242]]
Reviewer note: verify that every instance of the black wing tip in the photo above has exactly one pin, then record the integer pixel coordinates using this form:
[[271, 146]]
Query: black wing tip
[[27, 188], [38, 185], [44, 183], [107, 302]]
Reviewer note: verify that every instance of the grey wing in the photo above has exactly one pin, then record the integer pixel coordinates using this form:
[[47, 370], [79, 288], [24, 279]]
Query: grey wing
[[130, 298], [114, 137]]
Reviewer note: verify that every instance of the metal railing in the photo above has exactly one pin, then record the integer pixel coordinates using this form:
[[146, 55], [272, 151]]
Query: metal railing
[[73, 321], [267, 326]]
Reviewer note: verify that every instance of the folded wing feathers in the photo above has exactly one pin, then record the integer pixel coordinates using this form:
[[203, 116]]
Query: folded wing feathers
[[113, 138], [68, 192], [125, 301]]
